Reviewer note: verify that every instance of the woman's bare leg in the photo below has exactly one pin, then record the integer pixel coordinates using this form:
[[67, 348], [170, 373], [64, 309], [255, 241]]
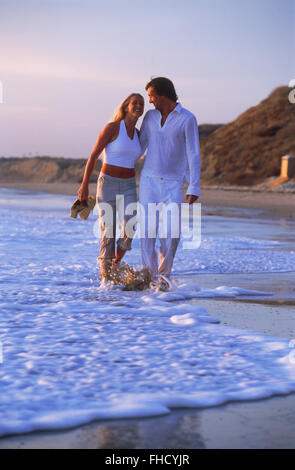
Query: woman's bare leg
[[119, 255]]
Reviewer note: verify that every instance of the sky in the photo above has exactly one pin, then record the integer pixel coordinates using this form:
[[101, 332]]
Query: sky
[[66, 65]]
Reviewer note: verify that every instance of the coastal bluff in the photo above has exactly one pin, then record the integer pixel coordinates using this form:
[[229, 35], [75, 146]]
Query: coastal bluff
[[44, 169], [249, 149]]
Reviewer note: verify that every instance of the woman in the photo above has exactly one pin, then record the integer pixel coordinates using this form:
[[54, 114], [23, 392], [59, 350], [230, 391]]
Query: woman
[[119, 140]]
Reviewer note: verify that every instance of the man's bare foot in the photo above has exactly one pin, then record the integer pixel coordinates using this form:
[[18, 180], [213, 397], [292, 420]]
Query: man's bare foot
[[162, 283]]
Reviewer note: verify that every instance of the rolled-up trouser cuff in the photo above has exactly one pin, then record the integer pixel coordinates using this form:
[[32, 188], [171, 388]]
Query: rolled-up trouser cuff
[[124, 243], [107, 248]]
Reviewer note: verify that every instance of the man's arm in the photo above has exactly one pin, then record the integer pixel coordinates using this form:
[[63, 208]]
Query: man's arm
[[194, 161]]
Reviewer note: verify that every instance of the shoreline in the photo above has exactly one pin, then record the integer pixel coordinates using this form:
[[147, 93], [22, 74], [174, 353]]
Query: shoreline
[[259, 424], [277, 203]]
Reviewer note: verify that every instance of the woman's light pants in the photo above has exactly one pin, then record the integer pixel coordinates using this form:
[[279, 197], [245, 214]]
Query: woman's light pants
[[109, 190]]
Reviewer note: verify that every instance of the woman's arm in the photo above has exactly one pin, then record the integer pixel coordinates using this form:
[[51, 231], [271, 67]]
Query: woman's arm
[[143, 137], [105, 137]]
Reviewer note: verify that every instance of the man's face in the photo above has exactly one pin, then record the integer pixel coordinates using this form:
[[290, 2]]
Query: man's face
[[154, 97]]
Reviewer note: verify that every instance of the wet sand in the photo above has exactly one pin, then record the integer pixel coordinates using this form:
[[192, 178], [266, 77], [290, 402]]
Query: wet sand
[[279, 203]]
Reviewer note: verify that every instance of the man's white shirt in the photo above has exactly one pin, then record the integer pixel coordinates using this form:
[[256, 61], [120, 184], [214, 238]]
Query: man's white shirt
[[173, 149]]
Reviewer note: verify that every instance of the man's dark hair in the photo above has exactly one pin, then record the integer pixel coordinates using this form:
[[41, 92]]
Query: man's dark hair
[[163, 87]]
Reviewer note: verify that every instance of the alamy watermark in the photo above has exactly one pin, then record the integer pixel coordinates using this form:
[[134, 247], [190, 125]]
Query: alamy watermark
[[1, 92], [173, 220], [292, 92]]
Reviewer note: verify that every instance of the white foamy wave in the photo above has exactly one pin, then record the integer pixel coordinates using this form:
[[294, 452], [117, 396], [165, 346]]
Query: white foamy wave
[[100, 366]]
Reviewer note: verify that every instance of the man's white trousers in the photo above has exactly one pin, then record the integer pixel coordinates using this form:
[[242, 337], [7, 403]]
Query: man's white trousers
[[165, 195]]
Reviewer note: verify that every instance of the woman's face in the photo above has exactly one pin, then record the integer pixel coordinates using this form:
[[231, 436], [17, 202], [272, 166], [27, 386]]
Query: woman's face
[[136, 106]]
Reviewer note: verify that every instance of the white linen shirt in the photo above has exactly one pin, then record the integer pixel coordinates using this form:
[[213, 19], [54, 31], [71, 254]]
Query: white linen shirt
[[174, 149]]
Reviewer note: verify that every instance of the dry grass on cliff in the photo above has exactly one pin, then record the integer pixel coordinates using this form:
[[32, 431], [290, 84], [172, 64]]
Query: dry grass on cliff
[[249, 149]]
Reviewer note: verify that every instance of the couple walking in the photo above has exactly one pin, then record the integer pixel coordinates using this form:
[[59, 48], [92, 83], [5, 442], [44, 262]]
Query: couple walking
[[169, 133]]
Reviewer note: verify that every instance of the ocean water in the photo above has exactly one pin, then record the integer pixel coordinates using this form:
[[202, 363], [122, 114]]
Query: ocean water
[[72, 351]]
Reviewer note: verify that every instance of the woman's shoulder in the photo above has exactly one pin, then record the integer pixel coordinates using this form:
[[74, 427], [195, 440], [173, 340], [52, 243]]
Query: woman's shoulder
[[113, 125], [111, 130]]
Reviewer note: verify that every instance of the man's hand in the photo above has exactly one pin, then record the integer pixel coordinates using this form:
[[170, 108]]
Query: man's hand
[[191, 198]]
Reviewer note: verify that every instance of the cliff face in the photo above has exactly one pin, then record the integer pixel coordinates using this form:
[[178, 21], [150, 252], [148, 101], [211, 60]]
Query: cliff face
[[249, 149], [44, 170]]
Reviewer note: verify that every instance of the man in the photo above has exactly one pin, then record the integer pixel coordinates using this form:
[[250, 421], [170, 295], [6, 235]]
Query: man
[[170, 135]]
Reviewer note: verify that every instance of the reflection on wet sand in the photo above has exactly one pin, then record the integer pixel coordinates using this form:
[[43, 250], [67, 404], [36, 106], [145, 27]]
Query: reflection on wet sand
[[274, 302], [174, 431]]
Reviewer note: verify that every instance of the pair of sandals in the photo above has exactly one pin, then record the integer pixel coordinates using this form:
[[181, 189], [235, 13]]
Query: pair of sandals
[[83, 208]]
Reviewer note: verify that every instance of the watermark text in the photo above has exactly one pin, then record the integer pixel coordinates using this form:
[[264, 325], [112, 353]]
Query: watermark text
[[166, 221]]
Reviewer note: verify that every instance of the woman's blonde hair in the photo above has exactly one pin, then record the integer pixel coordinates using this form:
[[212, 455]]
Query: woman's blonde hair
[[121, 112]]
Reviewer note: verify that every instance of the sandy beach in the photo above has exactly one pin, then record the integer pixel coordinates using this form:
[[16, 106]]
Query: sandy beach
[[279, 202], [268, 423]]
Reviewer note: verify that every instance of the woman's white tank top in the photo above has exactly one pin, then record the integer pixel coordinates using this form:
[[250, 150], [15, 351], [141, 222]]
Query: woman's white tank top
[[123, 151]]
